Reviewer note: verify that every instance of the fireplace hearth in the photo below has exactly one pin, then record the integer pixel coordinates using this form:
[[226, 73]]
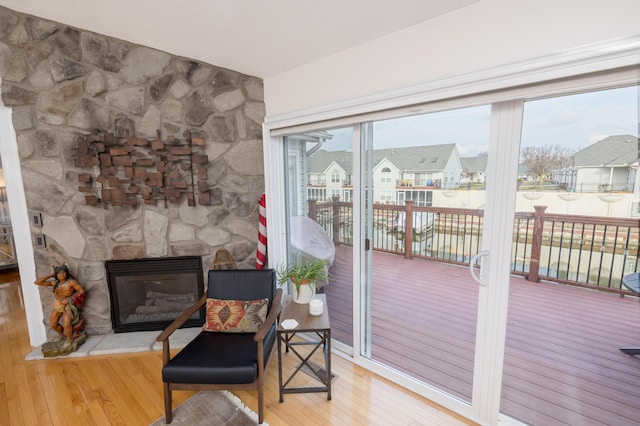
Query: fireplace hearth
[[148, 294]]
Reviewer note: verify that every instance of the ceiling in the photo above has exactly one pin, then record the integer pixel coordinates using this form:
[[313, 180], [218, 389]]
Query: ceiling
[[255, 37]]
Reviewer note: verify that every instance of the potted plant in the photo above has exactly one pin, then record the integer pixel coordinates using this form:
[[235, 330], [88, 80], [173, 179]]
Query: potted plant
[[304, 277]]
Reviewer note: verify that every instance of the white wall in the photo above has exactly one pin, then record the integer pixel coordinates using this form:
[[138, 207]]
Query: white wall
[[483, 35], [575, 203]]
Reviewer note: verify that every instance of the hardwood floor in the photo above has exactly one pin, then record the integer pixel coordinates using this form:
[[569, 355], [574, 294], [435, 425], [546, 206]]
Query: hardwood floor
[[127, 389]]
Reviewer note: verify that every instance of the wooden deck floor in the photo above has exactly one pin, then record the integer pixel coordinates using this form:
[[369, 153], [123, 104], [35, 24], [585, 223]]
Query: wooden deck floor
[[562, 359]]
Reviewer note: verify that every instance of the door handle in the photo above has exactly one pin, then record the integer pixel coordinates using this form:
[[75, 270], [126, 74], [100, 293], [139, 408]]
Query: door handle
[[480, 279]]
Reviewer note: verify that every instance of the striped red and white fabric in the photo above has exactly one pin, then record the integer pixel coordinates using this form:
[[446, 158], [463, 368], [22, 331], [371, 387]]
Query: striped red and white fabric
[[261, 254]]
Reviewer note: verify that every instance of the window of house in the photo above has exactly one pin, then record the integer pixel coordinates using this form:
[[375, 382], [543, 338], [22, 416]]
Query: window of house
[[318, 194], [385, 196], [386, 175]]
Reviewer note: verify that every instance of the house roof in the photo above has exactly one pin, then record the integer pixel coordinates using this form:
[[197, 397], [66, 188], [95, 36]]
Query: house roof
[[474, 164], [320, 160], [431, 158], [618, 150], [478, 164]]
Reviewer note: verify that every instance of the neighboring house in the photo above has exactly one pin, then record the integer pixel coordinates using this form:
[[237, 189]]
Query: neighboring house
[[385, 178], [423, 168], [523, 173], [329, 174], [473, 169], [399, 174], [607, 165]]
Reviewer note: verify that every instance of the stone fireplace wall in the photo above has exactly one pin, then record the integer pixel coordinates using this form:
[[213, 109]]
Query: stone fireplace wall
[[61, 83]]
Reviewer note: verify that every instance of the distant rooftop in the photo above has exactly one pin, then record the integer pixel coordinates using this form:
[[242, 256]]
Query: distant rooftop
[[618, 150], [418, 158]]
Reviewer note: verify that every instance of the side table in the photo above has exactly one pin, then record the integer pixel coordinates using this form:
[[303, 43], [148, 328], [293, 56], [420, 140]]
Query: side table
[[316, 326]]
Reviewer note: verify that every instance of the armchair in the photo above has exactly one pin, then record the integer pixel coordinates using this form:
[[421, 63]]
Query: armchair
[[220, 359]]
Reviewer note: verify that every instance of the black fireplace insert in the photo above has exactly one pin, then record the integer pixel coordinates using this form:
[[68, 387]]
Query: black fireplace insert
[[148, 294]]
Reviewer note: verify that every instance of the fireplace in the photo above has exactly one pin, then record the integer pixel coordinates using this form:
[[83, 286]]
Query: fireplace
[[148, 294]]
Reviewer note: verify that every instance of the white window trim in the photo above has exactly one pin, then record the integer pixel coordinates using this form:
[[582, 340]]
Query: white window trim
[[579, 69]]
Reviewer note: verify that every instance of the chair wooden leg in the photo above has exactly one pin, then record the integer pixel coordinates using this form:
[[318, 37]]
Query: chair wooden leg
[[168, 411], [260, 403]]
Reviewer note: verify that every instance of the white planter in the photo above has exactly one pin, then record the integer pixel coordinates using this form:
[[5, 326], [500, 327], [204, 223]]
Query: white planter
[[532, 195], [610, 198], [569, 196], [307, 292]]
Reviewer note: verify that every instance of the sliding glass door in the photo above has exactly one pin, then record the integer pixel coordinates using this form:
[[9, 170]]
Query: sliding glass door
[[319, 203], [449, 258], [401, 207], [424, 207]]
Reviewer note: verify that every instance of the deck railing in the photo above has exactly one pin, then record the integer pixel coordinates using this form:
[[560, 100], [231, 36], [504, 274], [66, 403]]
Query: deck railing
[[578, 250]]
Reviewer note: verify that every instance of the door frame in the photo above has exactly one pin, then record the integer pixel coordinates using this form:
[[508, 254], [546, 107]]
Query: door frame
[[493, 298], [21, 228]]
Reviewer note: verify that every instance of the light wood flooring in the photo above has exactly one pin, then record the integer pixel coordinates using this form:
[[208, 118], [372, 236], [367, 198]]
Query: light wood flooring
[[127, 389]]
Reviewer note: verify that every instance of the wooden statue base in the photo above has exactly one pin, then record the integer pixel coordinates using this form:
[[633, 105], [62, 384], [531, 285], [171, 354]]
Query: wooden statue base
[[58, 348]]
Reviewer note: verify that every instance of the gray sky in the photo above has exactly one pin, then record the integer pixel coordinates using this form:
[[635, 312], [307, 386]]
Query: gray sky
[[575, 122]]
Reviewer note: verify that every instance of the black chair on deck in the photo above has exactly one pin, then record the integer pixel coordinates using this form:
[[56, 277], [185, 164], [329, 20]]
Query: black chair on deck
[[227, 358]]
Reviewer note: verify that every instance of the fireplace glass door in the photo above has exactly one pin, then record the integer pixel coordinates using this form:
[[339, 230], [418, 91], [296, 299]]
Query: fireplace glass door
[[148, 294]]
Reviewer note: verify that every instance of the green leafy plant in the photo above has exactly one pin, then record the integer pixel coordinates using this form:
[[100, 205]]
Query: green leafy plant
[[303, 273]]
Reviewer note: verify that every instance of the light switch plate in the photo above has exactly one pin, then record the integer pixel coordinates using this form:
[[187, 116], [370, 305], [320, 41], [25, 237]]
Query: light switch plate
[[41, 241]]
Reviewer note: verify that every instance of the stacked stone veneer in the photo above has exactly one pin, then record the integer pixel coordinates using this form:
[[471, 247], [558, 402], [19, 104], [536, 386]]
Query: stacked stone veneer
[[61, 84]]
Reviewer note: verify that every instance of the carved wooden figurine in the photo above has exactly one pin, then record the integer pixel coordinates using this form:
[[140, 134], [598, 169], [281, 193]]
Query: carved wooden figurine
[[65, 316]]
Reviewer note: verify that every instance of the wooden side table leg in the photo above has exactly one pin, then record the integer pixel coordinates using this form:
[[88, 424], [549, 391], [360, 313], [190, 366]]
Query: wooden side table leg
[[328, 364], [279, 337]]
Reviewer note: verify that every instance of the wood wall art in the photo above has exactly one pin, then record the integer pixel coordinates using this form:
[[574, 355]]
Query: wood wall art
[[125, 170]]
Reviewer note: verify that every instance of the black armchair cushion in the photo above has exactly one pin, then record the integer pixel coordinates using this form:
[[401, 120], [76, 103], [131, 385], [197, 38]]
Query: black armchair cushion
[[242, 284], [218, 358]]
